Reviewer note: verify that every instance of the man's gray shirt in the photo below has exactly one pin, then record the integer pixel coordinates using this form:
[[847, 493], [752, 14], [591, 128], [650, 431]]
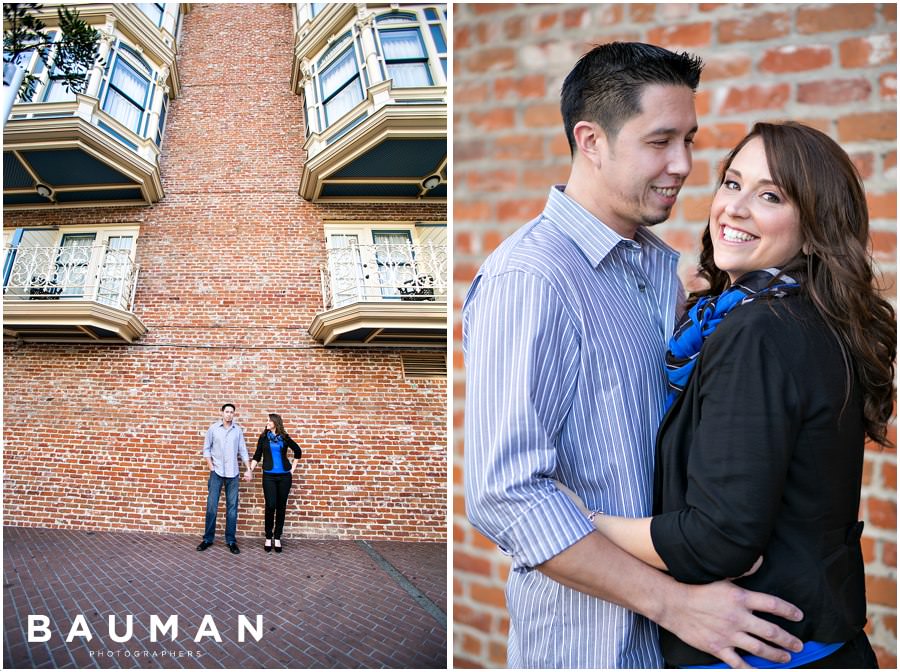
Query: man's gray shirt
[[223, 445]]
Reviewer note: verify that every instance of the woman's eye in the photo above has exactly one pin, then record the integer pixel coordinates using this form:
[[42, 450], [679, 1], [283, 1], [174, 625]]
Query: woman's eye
[[731, 184], [770, 197]]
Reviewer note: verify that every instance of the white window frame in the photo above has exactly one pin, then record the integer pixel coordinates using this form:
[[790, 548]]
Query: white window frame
[[117, 54], [102, 234], [367, 260]]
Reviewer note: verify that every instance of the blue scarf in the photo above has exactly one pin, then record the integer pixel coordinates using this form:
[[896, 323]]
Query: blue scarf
[[705, 315]]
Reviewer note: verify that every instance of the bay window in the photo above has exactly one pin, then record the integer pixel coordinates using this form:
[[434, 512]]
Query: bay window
[[405, 57], [153, 10], [341, 88], [128, 91]]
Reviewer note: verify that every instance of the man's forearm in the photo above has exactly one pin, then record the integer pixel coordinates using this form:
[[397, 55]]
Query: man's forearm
[[596, 566]]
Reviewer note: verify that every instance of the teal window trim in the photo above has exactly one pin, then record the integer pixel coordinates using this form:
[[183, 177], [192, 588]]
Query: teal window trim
[[421, 59], [140, 60], [162, 120], [126, 57], [356, 79]]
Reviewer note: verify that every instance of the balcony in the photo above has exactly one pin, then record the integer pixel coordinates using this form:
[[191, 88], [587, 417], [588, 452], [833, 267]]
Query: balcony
[[387, 294], [99, 148], [372, 77], [75, 154], [70, 294], [393, 146]]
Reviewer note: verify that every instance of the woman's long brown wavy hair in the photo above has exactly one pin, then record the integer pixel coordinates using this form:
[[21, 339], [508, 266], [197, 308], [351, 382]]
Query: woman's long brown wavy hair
[[835, 265], [279, 425]]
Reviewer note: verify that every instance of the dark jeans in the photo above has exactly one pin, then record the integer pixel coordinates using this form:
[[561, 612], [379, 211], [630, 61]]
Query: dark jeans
[[276, 488], [212, 507]]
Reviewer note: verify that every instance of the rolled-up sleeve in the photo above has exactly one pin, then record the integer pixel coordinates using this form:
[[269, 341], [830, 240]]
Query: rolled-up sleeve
[[738, 458], [522, 361]]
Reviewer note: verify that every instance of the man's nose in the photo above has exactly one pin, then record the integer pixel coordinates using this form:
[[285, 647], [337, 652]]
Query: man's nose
[[680, 161]]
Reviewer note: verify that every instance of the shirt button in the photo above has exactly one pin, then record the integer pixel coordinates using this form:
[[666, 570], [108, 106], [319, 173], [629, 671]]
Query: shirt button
[[642, 287]]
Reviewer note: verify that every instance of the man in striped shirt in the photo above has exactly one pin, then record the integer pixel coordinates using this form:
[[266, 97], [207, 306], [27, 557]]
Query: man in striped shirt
[[564, 333]]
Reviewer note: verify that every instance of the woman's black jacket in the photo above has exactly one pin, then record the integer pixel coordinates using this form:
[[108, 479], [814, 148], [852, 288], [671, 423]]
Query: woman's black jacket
[[262, 451]]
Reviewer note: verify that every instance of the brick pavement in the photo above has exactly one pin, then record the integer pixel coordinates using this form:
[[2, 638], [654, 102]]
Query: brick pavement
[[325, 604]]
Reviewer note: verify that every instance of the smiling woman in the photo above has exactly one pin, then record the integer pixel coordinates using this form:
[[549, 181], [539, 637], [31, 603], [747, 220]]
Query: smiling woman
[[788, 359], [752, 223]]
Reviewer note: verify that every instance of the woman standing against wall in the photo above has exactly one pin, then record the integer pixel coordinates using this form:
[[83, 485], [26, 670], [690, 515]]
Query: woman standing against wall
[[271, 449]]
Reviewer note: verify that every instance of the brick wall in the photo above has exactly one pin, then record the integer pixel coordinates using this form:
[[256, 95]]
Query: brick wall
[[110, 437], [832, 66]]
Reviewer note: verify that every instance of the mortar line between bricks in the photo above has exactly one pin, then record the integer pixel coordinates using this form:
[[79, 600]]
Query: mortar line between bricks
[[435, 611]]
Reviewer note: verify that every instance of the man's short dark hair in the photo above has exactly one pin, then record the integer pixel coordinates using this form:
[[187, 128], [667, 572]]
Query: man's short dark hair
[[606, 84], [224, 406]]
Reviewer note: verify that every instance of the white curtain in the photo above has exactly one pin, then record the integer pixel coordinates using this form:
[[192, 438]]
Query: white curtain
[[57, 93], [333, 78], [402, 45], [116, 268], [407, 75], [337, 74], [153, 11], [393, 253], [129, 82], [345, 269], [342, 103], [73, 261]]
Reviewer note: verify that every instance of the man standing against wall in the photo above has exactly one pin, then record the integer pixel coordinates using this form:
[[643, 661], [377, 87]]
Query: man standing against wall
[[224, 441], [564, 333]]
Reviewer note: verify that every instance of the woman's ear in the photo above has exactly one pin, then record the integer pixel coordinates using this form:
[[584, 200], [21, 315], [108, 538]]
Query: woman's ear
[[806, 249]]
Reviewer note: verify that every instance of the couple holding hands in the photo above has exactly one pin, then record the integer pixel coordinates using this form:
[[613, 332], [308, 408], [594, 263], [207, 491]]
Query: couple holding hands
[[223, 445]]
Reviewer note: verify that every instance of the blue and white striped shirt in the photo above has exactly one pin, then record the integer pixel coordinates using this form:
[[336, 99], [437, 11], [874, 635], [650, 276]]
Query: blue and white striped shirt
[[564, 334], [224, 444]]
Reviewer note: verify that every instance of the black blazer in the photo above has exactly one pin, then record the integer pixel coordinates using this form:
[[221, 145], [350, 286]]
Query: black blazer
[[760, 455], [262, 451]]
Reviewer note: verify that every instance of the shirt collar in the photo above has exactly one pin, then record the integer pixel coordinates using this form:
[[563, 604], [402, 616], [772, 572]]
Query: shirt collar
[[593, 237]]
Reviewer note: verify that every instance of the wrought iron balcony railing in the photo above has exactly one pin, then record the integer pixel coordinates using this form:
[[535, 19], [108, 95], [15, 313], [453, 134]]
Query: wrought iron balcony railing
[[384, 272], [96, 273]]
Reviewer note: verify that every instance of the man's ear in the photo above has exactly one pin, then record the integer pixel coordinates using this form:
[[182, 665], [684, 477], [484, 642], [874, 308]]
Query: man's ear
[[590, 140]]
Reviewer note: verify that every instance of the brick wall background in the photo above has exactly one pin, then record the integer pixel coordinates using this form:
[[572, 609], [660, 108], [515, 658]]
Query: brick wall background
[[832, 66], [110, 437]]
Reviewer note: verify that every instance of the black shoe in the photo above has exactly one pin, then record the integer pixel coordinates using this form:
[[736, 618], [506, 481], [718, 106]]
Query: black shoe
[[234, 549], [278, 548], [203, 545], [268, 546]]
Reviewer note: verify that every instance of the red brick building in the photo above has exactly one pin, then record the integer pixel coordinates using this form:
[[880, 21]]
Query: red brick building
[[246, 205], [830, 65]]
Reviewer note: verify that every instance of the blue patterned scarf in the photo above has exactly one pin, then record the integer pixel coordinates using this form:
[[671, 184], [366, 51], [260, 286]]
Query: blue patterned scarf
[[705, 315]]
